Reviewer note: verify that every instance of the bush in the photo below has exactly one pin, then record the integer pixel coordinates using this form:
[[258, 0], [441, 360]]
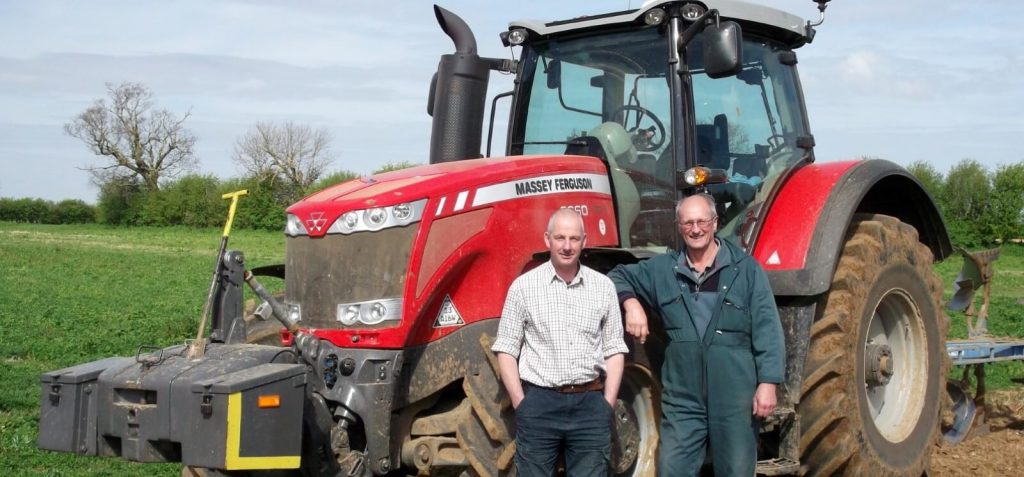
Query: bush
[[36, 211], [192, 201], [120, 202], [262, 208], [74, 211], [1006, 208], [964, 203], [332, 179]]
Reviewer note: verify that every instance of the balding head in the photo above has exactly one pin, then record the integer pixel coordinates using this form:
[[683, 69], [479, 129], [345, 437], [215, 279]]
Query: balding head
[[568, 214]]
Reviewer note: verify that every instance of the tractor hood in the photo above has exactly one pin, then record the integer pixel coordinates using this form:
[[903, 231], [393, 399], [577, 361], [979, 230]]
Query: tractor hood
[[459, 186]]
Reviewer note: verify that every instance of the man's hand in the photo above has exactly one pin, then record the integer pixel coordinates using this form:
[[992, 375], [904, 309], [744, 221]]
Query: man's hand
[[517, 400], [764, 400], [636, 319]]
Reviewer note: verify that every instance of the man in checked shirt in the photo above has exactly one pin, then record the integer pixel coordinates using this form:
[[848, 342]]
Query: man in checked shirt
[[561, 355]]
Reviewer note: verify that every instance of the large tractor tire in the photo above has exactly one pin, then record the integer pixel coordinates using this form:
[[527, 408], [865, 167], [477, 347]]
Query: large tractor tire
[[876, 365]]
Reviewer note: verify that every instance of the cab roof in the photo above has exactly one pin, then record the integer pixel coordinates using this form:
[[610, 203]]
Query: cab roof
[[758, 18]]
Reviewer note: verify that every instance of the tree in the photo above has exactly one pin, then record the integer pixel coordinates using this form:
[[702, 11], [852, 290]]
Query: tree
[[964, 202], [136, 140], [294, 153], [929, 177], [1006, 209]]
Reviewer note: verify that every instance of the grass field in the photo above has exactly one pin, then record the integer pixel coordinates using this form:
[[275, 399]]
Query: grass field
[[72, 294]]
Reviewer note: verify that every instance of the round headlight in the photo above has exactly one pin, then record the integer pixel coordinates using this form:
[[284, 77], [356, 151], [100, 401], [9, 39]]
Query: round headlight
[[377, 313], [349, 315], [402, 212], [350, 220], [654, 16], [692, 11], [376, 217], [517, 37]]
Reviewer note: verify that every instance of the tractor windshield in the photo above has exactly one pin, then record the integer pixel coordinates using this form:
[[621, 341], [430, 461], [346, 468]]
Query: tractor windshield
[[607, 95], [611, 88]]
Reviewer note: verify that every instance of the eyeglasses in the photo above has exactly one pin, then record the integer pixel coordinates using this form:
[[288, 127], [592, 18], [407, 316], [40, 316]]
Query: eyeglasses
[[702, 223]]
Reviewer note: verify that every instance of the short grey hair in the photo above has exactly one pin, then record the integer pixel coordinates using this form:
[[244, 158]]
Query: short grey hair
[[707, 198], [566, 212]]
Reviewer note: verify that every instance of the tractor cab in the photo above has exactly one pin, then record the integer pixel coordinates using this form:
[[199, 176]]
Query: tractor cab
[[656, 91]]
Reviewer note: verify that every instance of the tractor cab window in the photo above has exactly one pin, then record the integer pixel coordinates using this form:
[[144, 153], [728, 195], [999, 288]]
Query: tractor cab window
[[606, 96], [747, 125]]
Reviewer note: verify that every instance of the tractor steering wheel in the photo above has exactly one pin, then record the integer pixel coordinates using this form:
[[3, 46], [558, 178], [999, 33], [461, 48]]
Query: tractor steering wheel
[[644, 139]]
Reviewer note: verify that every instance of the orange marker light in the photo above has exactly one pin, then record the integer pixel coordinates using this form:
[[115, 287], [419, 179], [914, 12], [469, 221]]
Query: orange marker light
[[269, 401]]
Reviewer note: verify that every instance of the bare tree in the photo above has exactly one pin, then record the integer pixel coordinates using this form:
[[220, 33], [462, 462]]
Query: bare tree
[[135, 139], [295, 153]]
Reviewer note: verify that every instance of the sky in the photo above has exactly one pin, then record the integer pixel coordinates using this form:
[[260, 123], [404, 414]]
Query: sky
[[908, 80]]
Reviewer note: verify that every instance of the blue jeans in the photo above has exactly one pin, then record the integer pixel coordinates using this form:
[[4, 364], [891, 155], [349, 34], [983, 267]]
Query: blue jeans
[[549, 422]]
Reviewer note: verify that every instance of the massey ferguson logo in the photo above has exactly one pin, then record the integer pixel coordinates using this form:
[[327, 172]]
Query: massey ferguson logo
[[316, 222]]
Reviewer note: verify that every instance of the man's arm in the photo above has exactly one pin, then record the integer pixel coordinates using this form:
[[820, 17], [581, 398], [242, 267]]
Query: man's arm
[[768, 343], [509, 342], [508, 367], [614, 366], [633, 283], [636, 319]]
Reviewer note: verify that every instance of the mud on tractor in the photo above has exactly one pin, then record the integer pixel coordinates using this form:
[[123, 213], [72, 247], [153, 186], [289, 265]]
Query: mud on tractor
[[393, 284]]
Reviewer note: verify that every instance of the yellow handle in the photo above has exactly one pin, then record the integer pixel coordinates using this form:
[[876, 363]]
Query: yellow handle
[[231, 210]]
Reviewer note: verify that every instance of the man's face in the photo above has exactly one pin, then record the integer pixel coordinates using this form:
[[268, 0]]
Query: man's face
[[565, 241], [697, 223]]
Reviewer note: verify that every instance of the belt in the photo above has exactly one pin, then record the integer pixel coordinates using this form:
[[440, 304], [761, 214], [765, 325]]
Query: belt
[[595, 385]]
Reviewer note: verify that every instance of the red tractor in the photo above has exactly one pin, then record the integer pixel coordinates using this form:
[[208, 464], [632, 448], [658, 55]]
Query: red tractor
[[394, 283]]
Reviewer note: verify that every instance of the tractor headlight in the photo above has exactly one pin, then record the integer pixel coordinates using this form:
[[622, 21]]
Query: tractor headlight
[[293, 226], [378, 218], [350, 220], [692, 11], [517, 36], [402, 212], [370, 312], [654, 16], [294, 312], [348, 315]]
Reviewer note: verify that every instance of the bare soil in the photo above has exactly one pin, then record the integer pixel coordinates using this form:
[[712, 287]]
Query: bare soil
[[997, 452]]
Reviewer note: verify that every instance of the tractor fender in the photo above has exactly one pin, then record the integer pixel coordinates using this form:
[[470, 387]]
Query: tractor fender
[[804, 229]]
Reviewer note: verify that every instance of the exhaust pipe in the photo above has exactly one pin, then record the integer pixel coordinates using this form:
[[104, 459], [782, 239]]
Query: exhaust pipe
[[458, 93]]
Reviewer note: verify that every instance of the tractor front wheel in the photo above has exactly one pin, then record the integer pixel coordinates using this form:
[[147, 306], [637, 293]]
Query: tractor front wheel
[[876, 367]]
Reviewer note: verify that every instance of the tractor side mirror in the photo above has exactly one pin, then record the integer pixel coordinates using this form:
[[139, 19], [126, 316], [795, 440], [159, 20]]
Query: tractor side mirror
[[554, 74], [723, 51]]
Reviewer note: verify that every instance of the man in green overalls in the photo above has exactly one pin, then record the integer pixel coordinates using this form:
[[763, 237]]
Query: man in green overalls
[[725, 353]]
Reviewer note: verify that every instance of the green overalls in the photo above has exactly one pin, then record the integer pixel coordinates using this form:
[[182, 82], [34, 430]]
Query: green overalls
[[708, 382]]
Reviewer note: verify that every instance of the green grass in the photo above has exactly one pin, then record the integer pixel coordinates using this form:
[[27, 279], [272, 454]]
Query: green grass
[[73, 294]]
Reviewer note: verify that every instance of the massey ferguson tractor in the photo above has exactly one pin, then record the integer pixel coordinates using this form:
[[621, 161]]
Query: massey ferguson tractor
[[394, 283]]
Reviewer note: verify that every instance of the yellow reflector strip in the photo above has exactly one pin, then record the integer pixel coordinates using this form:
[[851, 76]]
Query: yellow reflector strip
[[233, 461], [273, 400]]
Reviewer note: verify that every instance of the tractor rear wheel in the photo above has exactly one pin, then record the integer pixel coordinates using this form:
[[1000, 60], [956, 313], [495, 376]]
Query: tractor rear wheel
[[876, 365], [635, 430]]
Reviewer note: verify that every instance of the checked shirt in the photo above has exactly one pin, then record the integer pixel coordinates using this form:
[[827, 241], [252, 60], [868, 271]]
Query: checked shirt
[[560, 332]]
